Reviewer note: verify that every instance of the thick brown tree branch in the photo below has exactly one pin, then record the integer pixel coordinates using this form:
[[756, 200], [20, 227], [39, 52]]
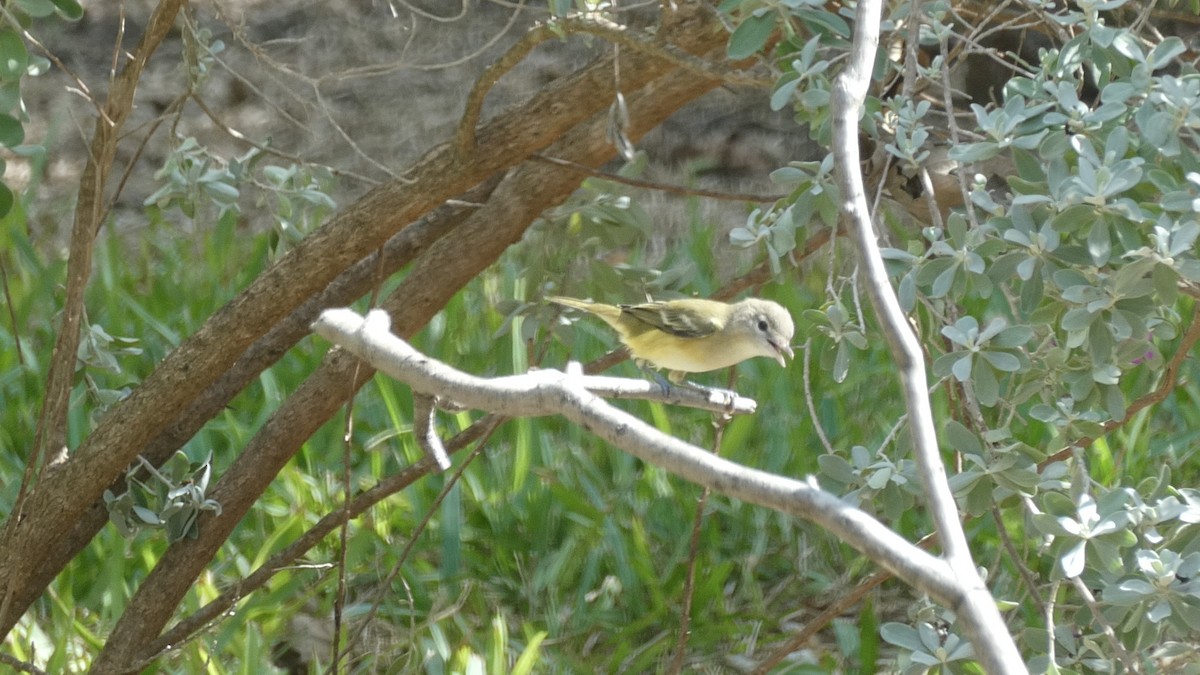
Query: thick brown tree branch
[[65, 494], [355, 282], [51, 432], [434, 278]]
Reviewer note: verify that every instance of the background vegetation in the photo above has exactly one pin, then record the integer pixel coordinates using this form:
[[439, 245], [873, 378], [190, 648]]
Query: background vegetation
[[1042, 239]]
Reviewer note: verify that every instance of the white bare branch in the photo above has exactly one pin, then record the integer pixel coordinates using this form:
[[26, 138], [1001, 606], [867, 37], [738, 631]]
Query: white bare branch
[[551, 392], [980, 618]]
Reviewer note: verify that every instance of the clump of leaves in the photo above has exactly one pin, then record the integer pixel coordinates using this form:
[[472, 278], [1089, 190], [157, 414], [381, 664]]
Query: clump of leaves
[[169, 498]]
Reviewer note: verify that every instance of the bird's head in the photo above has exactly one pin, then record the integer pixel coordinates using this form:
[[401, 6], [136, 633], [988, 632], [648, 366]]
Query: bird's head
[[770, 325]]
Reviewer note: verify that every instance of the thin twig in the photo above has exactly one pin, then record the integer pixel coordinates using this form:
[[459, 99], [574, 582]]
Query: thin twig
[[171, 110], [80, 85], [762, 273], [12, 313], [808, 399], [720, 423], [386, 584], [1164, 389], [266, 149], [424, 431], [829, 614], [655, 185], [376, 70], [1105, 627], [952, 125], [1018, 560], [434, 17], [350, 142], [339, 598], [590, 25], [689, 586], [21, 666], [1048, 616], [820, 621]]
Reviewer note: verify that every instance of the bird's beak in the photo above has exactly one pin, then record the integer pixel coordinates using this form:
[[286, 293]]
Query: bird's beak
[[780, 350]]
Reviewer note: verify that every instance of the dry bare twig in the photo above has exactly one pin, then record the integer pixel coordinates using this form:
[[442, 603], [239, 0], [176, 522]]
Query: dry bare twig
[[668, 53]]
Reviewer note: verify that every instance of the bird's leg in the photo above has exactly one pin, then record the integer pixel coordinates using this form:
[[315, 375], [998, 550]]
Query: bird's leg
[[663, 383]]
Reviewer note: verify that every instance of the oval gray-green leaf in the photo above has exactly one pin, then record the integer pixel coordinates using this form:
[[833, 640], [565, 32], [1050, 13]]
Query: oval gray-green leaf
[[987, 389], [961, 438], [1002, 361], [13, 56], [751, 35]]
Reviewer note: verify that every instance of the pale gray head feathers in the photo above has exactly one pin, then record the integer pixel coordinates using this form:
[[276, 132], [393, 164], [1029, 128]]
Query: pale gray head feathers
[[770, 324]]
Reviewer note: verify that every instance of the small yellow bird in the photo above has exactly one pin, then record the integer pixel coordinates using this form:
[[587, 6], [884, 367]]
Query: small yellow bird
[[693, 335]]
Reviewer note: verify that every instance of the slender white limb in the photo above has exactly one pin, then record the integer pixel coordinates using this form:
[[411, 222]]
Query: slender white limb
[[979, 617], [550, 392]]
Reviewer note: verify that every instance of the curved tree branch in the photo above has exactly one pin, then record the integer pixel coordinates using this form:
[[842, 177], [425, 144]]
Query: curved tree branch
[[981, 620], [352, 284], [430, 282], [51, 432], [64, 495]]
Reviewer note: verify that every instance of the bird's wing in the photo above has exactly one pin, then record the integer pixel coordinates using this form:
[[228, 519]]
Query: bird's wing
[[673, 319]]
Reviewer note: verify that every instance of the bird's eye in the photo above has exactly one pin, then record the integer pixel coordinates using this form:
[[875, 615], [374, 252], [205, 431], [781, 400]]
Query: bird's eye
[[762, 324]]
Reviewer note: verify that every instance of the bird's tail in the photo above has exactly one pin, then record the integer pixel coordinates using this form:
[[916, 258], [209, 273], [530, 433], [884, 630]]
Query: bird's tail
[[610, 313]]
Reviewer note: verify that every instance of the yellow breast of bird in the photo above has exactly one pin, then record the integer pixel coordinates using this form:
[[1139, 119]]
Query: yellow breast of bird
[[686, 355]]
